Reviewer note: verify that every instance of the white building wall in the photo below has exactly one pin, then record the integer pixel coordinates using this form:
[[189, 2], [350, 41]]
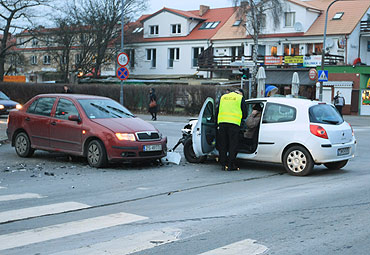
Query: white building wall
[[353, 45], [183, 66], [164, 20]]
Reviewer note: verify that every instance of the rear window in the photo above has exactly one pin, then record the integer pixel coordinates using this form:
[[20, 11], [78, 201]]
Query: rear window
[[325, 114]]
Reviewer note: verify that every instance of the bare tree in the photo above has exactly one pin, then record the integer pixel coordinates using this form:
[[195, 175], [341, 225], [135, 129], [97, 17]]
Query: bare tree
[[255, 12], [99, 22], [14, 13]]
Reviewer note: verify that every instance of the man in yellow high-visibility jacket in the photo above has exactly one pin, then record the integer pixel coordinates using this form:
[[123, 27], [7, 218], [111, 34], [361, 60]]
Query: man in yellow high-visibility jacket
[[232, 109]]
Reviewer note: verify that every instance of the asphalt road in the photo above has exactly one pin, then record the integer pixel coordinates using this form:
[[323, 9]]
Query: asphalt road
[[51, 205]]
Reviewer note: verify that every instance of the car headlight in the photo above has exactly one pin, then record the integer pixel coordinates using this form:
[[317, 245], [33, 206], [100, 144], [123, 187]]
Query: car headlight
[[18, 106], [125, 137], [2, 106]]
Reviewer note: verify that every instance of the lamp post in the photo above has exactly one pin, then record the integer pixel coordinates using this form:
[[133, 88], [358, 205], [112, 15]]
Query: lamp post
[[122, 46], [324, 47]]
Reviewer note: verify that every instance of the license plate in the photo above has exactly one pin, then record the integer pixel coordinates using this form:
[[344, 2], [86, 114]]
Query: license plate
[[343, 151], [153, 147]]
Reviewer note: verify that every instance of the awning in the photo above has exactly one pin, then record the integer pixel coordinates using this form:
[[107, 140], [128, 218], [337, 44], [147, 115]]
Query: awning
[[343, 84], [284, 77]]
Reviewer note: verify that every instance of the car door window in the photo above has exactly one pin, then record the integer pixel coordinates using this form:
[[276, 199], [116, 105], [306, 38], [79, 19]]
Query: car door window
[[65, 108], [42, 106], [275, 113], [208, 115]]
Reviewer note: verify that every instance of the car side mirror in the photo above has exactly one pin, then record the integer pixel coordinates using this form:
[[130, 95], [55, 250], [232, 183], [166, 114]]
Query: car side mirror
[[74, 118]]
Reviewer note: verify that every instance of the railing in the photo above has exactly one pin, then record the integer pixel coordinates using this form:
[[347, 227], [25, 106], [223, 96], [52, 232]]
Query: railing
[[225, 62], [365, 26]]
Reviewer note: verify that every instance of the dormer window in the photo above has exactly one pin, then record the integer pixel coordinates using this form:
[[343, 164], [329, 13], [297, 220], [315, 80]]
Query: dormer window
[[154, 30], [289, 19], [209, 25], [338, 15], [176, 29]]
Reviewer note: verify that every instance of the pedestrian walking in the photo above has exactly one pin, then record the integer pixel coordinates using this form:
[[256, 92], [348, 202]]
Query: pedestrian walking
[[153, 106], [232, 109], [339, 102]]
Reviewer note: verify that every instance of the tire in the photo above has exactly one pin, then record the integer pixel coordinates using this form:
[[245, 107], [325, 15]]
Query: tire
[[336, 165], [189, 153], [96, 154], [298, 161], [23, 145]]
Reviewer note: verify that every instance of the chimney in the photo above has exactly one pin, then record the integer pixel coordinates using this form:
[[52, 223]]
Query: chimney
[[203, 9]]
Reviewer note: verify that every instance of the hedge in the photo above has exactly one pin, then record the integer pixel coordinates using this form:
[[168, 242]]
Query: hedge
[[172, 99]]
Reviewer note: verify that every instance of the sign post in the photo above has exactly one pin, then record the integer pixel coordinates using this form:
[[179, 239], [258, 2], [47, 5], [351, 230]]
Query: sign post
[[122, 44]]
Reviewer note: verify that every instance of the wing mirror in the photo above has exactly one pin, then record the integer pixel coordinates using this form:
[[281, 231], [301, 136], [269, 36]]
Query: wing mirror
[[74, 118]]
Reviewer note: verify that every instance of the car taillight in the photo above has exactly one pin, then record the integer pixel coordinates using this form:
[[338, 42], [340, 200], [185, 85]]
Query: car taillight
[[318, 131], [353, 132]]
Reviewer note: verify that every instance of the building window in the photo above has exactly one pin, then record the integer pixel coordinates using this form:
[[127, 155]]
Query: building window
[[273, 50], [151, 55], [174, 54], [176, 29], [209, 25], [63, 60], [196, 52], [368, 45], [78, 59], [47, 60], [154, 30], [263, 20], [33, 60], [289, 19], [131, 56], [291, 49], [338, 15], [237, 23], [35, 42]]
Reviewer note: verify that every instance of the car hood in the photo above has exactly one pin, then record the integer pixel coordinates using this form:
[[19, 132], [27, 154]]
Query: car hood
[[119, 125], [7, 102]]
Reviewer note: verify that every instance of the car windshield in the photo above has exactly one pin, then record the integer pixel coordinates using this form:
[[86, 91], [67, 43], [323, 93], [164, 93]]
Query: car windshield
[[104, 109], [325, 114], [3, 96]]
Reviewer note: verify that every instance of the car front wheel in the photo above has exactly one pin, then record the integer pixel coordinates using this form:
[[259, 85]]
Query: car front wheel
[[23, 145], [96, 154], [336, 165], [189, 153], [298, 161]]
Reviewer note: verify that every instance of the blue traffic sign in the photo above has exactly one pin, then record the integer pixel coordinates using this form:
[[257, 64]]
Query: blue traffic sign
[[323, 75], [122, 73]]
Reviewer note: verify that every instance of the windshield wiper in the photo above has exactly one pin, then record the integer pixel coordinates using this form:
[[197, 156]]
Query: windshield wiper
[[330, 121]]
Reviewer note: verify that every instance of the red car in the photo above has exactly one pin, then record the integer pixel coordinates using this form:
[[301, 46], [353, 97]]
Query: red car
[[95, 127]]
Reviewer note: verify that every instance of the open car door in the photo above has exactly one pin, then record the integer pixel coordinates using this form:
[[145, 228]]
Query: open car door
[[204, 133]]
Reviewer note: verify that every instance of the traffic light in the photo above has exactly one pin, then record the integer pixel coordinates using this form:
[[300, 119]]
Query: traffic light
[[245, 72]]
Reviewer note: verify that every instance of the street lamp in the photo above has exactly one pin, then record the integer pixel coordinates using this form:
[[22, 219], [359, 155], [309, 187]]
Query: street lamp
[[324, 47]]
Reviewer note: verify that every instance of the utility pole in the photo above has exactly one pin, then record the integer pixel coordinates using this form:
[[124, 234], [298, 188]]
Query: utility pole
[[324, 48], [122, 45]]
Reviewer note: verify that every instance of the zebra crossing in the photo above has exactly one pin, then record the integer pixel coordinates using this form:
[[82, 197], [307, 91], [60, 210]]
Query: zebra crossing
[[127, 244]]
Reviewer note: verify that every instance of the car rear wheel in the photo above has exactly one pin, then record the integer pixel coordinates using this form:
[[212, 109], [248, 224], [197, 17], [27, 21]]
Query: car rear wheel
[[96, 154], [336, 165], [298, 161], [189, 153], [23, 145]]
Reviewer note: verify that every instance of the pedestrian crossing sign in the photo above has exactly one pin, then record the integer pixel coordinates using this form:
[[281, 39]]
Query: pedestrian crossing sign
[[323, 75]]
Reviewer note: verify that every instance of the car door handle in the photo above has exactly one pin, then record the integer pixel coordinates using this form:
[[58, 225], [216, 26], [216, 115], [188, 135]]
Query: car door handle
[[53, 123], [27, 119]]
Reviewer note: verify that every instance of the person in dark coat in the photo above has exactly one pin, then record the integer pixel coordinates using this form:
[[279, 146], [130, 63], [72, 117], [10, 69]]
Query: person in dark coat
[[66, 89], [153, 107]]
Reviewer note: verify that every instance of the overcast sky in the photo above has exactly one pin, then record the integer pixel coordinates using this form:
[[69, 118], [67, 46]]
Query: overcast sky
[[186, 5]]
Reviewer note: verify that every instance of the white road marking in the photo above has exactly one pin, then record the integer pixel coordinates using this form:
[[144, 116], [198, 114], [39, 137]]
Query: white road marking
[[247, 247], [66, 229], [361, 130], [40, 211], [19, 196], [2, 187], [129, 244]]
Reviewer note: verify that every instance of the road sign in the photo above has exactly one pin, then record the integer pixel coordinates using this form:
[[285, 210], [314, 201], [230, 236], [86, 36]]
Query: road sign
[[323, 75], [122, 59], [122, 73], [312, 74]]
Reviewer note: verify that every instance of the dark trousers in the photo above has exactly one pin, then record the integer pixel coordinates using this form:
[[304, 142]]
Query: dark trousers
[[339, 108], [228, 143]]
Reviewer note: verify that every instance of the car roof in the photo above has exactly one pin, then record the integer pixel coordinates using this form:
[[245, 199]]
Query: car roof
[[297, 102], [74, 96]]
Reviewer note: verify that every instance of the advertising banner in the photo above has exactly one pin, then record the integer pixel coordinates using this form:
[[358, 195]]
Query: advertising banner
[[312, 61], [272, 60], [293, 59]]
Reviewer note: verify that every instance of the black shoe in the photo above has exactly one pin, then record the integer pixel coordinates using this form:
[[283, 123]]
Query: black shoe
[[225, 168], [234, 168]]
